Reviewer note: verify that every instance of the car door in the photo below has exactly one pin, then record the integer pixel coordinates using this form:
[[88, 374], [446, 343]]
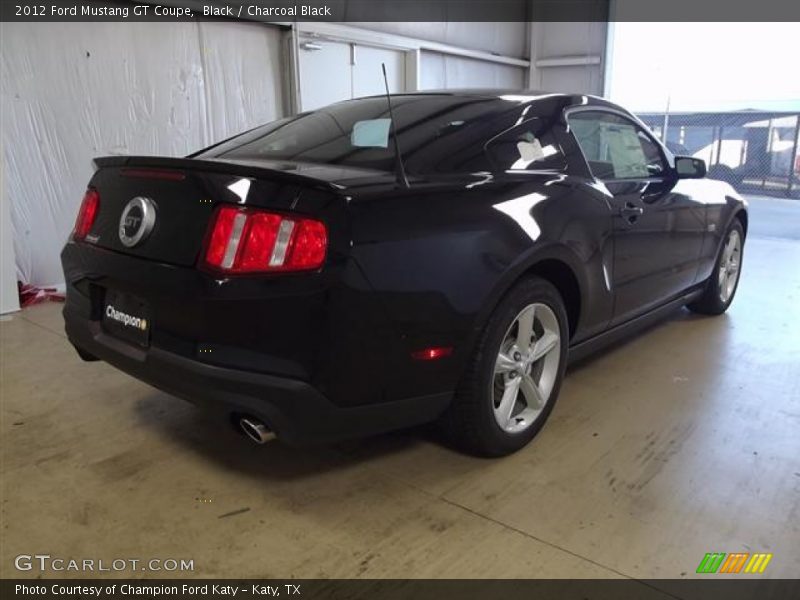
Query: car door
[[657, 231]]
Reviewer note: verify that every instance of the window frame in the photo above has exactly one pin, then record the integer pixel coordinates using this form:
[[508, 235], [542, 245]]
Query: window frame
[[669, 167]]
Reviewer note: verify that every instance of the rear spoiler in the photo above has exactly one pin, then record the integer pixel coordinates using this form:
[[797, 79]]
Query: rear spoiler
[[215, 166]]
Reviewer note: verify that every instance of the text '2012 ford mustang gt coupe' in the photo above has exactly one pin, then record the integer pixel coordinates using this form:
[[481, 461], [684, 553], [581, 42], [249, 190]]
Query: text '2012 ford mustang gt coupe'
[[366, 267]]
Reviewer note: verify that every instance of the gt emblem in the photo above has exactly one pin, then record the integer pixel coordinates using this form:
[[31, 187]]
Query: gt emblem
[[137, 221]]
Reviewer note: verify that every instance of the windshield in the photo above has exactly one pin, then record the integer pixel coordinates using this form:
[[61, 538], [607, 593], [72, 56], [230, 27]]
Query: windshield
[[436, 133]]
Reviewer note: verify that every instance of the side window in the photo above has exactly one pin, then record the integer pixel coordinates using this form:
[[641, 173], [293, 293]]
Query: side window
[[615, 147], [530, 145]]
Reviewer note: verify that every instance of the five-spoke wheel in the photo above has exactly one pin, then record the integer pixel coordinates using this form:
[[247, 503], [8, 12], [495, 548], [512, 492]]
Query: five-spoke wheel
[[526, 367], [721, 286], [513, 378], [729, 265]]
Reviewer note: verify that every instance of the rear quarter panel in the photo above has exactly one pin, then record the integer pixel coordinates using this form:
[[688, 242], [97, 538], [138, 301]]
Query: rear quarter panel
[[440, 258]]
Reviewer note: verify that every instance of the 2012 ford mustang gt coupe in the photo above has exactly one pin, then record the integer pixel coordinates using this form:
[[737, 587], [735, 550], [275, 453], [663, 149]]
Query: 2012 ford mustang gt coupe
[[396, 260]]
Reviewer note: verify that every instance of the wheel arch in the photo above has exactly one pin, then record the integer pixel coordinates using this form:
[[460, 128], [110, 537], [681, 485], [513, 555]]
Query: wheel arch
[[736, 211], [743, 218], [563, 278], [739, 213], [554, 264]]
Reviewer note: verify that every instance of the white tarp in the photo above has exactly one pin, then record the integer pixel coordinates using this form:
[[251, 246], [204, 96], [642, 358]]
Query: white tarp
[[73, 91]]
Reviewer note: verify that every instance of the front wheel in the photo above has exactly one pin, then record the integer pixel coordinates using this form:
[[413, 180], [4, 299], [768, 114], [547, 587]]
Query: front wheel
[[513, 379], [721, 286]]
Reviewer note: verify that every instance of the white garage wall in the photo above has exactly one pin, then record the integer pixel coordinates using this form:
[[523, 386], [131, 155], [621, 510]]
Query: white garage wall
[[357, 68], [507, 39], [565, 56], [73, 91], [568, 56], [9, 299], [440, 71], [436, 56], [244, 76]]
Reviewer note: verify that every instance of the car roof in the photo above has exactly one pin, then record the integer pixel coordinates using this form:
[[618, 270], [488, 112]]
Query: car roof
[[476, 93], [523, 96]]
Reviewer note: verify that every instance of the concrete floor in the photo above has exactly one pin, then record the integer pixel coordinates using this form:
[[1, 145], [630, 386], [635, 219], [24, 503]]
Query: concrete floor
[[682, 441]]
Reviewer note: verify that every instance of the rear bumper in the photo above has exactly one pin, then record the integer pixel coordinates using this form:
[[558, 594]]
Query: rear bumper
[[296, 411]]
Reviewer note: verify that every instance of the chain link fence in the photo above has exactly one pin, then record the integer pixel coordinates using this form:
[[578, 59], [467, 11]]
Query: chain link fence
[[754, 151]]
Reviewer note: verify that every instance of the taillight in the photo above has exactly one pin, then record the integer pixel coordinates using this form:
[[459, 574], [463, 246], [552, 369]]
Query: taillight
[[87, 214], [244, 240]]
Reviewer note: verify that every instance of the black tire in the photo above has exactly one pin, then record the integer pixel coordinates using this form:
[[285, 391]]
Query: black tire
[[469, 421], [711, 302]]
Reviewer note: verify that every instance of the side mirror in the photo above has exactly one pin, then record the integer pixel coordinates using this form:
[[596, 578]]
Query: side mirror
[[688, 167]]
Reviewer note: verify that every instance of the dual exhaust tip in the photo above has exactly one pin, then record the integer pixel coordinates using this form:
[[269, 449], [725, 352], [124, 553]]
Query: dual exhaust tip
[[256, 430]]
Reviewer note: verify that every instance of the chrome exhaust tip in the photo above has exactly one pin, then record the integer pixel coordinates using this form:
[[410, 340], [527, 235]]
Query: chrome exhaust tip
[[256, 430]]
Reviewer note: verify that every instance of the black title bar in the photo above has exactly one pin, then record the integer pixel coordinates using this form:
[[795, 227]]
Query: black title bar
[[404, 10], [709, 588]]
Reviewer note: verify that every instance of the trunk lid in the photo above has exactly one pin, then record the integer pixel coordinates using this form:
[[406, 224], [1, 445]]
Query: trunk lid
[[184, 194]]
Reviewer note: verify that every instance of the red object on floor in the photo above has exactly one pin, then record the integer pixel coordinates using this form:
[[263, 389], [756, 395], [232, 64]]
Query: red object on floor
[[30, 294]]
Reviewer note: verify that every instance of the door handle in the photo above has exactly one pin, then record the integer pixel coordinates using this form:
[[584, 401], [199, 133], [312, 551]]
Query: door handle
[[630, 212]]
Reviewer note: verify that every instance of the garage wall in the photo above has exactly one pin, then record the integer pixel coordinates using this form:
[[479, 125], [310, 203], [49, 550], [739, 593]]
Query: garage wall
[[441, 71], [9, 299], [565, 56], [357, 68], [117, 88], [568, 57], [244, 76], [508, 39]]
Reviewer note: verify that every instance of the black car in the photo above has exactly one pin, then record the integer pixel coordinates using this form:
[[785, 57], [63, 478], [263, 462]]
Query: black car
[[313, 279]]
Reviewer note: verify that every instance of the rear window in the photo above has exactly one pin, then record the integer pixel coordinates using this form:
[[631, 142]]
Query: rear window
[[435, 133], [527, 146]]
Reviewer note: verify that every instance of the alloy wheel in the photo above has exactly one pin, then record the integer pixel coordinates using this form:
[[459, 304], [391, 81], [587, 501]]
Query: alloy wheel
[[526, 368], [729, 265]]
